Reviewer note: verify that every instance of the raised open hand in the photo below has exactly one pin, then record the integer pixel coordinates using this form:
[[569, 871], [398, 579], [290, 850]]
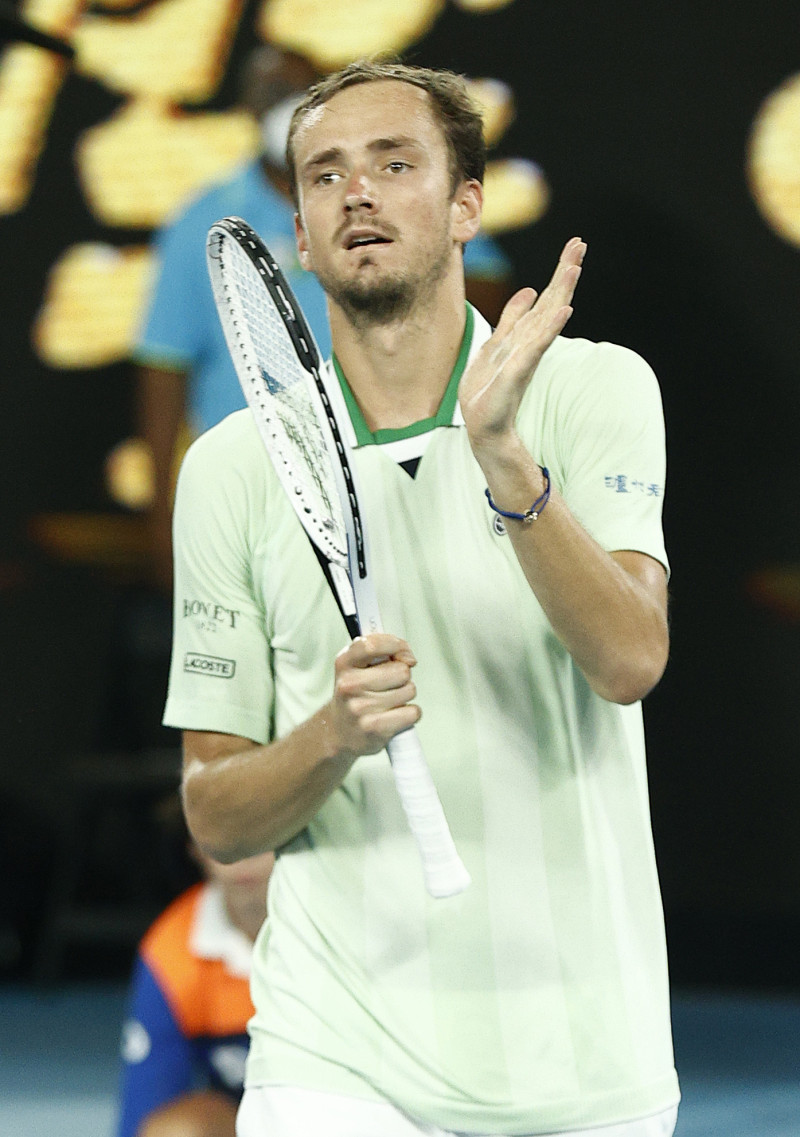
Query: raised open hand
[[492, 387]]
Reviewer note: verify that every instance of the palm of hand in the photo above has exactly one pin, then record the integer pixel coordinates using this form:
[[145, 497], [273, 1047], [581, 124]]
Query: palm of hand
[[492, 387]]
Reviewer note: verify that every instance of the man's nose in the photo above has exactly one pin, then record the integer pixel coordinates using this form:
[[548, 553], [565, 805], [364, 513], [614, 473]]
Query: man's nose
[[360, 193]]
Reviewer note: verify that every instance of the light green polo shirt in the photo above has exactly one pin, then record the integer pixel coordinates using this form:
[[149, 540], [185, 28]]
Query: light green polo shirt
[[537, 1000]]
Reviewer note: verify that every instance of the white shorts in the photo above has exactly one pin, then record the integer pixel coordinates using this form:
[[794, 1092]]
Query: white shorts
[[286, 1111]]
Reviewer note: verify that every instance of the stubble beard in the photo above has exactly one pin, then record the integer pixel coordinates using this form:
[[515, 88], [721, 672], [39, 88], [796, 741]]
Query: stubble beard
[[384, 301]]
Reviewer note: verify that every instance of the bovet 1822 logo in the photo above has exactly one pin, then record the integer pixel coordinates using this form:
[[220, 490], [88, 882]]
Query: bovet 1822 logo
[[210, 665], [210, 615]]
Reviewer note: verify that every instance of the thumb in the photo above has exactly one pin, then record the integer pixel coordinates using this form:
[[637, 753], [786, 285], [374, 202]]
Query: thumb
[[520, 303]]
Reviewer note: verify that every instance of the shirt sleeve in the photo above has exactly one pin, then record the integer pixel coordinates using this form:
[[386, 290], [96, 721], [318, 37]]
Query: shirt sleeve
[[156, 1056], [220, 675], [603, 438]]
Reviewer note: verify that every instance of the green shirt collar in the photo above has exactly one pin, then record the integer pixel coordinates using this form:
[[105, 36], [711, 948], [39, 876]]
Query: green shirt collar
[[443, 417]]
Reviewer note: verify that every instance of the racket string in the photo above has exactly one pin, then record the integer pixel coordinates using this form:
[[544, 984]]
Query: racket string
[[279, 383]]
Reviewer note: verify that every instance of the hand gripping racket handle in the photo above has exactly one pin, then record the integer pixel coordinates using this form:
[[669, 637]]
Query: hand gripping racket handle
[[444, 871]]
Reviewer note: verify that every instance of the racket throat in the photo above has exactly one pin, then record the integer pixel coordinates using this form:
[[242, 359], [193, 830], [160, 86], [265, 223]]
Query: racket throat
[[339, 584]]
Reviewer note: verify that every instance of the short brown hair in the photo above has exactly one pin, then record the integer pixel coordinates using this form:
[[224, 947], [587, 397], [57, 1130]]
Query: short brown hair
[[452, 105]]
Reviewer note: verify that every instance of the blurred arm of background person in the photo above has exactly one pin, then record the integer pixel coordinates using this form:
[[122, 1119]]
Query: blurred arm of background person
[[162, 414], [184, 1041]]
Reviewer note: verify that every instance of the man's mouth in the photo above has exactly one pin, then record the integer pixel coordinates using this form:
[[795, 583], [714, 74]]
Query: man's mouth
[[365, 240]]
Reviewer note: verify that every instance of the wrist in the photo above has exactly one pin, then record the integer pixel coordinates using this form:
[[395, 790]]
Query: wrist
[[329, 745], [513, 476], [533, 511], [501, 455]]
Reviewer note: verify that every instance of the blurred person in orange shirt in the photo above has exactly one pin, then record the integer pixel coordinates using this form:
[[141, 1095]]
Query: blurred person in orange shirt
[[184, 1040]]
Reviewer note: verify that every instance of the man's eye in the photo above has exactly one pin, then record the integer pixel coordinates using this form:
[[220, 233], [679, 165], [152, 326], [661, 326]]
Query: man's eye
[[396, 166], [328, 177]]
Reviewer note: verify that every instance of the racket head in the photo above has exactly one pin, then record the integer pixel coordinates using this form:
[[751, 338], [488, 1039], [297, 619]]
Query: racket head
[[279, 368]]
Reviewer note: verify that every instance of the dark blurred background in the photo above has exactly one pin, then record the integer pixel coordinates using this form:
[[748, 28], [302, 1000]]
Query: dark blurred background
[[668, 136]]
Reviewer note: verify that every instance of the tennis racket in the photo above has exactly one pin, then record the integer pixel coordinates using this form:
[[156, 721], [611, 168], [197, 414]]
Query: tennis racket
[[296, 411]]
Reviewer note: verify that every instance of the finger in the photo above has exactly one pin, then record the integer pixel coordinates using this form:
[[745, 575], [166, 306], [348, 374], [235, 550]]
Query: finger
[[534, 333], [368, 707], [390, 676], [568, 270], [364, 703], [366, 651], [558, 294], [535, 339], [572, 254], [519, 304], [574, 251], [389, 723], [559, 291], [570, 266], [559, 321]]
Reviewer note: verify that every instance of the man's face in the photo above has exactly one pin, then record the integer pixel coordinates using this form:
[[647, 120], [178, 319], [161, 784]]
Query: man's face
[[377, 220]]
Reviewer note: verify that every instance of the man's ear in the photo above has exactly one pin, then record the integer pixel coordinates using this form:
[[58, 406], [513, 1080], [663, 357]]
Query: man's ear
[[467, 210], [303, 254]]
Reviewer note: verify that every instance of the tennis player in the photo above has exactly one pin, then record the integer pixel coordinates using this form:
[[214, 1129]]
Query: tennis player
[[526, 625]]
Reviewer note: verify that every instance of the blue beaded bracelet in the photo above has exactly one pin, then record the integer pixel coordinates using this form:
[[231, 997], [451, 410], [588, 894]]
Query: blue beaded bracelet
[[535, 510]]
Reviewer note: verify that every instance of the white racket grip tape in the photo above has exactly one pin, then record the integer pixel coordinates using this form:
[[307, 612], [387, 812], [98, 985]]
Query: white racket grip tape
[[444, 871]]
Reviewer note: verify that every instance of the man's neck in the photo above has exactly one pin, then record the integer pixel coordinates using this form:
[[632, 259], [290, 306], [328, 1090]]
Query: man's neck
[[398, 372]]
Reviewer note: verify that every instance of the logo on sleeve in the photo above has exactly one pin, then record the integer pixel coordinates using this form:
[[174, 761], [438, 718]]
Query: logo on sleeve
[[621, 483], [211, 665], [209, 616]]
